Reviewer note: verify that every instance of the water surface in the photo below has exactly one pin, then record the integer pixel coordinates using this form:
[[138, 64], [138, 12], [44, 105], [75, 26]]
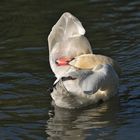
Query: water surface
[[26, 112]]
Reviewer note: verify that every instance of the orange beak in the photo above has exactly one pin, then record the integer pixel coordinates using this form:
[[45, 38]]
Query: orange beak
[[63, 61]]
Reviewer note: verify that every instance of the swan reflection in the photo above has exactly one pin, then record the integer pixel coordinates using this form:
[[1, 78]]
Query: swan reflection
[[82, 123]]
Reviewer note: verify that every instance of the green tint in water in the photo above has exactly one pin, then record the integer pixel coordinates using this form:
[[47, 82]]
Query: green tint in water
[[25, 75]]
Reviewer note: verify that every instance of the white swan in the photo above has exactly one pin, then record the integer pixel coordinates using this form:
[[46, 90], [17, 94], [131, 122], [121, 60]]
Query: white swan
[[83, 78]]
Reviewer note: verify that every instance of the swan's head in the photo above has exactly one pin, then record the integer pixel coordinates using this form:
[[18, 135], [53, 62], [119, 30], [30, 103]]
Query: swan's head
[[92, 61], [85, 61]]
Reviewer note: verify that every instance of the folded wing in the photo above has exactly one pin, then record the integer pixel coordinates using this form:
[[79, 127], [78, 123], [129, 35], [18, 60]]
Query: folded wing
[[66, 40], [102, 78], [66, 27]]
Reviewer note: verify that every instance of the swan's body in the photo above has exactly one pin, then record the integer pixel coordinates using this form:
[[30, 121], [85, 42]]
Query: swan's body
[[82, 77], [89, 87]]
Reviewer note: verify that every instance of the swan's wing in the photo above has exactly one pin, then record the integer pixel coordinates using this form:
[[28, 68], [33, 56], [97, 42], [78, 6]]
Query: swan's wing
[[66, 27], [104, 77], [66, 40], [91, 83]]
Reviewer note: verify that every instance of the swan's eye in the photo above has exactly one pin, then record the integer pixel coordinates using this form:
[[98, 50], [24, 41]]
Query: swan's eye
[[68, 78]]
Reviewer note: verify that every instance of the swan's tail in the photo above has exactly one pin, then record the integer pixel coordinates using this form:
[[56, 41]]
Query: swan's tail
[[66, 27]]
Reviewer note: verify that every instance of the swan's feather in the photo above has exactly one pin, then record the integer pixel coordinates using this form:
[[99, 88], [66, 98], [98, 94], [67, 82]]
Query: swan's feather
[[66, 27], [66, 40], [100, 78]]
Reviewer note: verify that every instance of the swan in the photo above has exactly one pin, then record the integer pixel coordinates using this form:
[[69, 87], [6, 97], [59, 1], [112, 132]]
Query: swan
[[82, 78]]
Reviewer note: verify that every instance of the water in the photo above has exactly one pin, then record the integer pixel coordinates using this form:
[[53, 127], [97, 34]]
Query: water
[[113, 28]]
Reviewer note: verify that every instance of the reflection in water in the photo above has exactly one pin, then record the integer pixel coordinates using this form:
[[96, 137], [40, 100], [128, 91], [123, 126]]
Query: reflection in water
[[78, 124]]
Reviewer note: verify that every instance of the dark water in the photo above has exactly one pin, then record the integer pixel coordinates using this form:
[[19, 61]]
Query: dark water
[[113, 28]]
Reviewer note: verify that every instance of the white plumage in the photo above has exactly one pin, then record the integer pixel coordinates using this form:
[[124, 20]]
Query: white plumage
[[83, 78]]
